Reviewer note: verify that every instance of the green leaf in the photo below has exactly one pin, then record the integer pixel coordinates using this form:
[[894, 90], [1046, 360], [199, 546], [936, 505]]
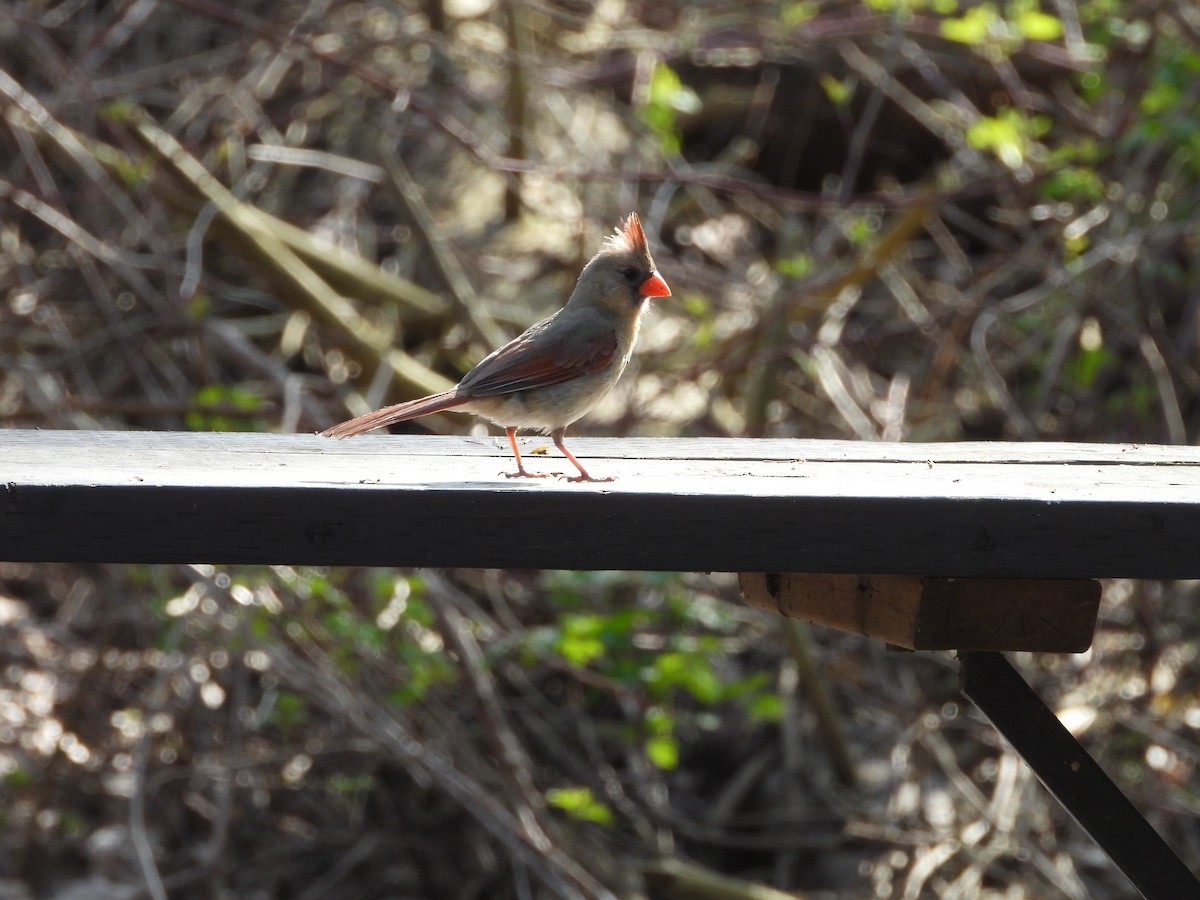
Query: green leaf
[[658, 721], [210, 403], [581, 639], [668, 96], [1093, 356], [1008, 135], [766, 708], [1087, 366], [18, 779], [994, 133], [794, 14], [290, 711], [348, 785], [580, 803], [579, 651], [1161, 97], [1075, 183], [838, 91], [121, 111], [1036, 25], [862, 228], [663, 751], [198, 306], [974, 27], [797, 266], [903, 7], [693, 672]]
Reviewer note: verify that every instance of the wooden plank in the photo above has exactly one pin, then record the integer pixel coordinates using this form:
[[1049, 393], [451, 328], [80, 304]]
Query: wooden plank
[[984, 510], [921, 613]]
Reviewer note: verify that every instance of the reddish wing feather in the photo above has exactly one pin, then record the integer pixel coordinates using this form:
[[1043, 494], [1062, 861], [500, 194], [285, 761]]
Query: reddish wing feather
[[526, 364]]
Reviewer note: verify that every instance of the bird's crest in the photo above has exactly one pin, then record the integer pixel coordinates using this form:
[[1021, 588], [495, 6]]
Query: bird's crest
[[629, 237]]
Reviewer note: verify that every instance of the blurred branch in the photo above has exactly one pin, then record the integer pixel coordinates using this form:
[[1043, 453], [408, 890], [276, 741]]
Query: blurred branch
[[67, 227], [357, 275], [72, 147], [833, 376], [770, 351], [866, 266], [947, 131], [263, 237], [674, 879], [343, 268], [443, 255], [819, 300], [516, 20], [377, 721], [157, 700], [800, 647], [1168, 397], [435, 12], [682, 173], [456, 631]]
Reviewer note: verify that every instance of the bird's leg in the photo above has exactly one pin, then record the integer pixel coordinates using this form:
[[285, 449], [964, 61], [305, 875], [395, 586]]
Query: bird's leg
[[521, 472], [558, 434]]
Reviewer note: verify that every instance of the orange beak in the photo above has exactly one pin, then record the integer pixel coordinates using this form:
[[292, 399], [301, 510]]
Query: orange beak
[[654, 286]]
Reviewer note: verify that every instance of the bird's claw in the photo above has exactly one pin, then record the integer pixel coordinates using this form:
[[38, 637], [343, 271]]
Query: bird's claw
[[525, 473]]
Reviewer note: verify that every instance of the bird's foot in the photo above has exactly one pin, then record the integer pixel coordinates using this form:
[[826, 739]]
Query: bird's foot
[[525, 473], [584, 477]]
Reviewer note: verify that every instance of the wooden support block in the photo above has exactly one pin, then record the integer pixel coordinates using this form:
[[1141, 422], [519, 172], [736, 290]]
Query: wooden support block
[[1049, 615]]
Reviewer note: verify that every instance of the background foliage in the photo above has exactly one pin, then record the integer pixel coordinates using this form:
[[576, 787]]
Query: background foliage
[[888, 219]]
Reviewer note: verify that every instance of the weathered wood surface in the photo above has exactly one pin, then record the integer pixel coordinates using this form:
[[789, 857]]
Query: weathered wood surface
[[999, 510]]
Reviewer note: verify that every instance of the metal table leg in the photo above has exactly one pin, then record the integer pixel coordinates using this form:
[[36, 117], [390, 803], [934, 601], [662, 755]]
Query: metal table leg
[[1074, 778]]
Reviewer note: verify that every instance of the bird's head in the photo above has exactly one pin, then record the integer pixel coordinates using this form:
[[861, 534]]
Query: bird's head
[[622, 275]]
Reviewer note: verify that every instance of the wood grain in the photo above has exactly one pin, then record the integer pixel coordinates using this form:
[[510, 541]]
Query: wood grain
[[925, 613], [983, 510]]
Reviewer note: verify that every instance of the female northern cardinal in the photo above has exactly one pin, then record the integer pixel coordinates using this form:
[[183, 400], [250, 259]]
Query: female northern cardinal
[[559, 369]]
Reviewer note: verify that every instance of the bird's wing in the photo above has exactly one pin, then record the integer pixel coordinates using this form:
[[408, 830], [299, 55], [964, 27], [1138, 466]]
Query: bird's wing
[[538, 358]]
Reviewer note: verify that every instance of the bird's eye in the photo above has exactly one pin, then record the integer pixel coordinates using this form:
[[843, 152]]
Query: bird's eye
[[630, 274]]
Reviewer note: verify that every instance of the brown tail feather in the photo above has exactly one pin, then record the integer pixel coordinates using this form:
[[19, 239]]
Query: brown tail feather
[[401, 412]]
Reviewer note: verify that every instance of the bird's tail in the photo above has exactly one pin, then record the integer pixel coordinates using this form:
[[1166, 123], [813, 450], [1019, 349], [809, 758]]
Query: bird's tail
[[401, 412]]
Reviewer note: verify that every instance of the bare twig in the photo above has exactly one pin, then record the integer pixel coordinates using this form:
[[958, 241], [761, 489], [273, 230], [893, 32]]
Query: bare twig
[[443, 255]]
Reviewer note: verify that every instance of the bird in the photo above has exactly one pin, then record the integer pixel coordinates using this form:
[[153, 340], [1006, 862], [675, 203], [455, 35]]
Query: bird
[[556, 371]]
